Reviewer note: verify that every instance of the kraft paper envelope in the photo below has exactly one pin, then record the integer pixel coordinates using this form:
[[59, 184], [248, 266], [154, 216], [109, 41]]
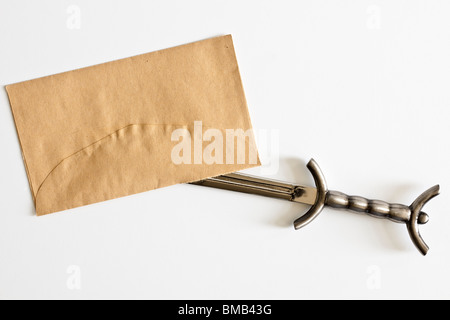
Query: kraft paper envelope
[[133, 125]]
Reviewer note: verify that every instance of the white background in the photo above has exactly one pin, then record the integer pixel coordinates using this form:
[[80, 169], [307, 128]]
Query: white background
[[361, 86]]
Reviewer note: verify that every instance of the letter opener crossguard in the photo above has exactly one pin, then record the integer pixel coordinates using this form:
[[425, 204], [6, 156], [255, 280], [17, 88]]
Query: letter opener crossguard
[[320, 196]]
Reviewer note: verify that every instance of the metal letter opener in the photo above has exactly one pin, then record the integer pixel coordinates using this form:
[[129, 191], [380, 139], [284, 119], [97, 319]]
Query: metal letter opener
[[320, 196]]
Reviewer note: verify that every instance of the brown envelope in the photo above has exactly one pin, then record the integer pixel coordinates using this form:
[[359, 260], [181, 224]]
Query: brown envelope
[[113, 129]]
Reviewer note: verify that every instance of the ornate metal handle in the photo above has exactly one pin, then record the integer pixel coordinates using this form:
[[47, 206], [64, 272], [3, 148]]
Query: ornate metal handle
[[410, 215], [375, 208]]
